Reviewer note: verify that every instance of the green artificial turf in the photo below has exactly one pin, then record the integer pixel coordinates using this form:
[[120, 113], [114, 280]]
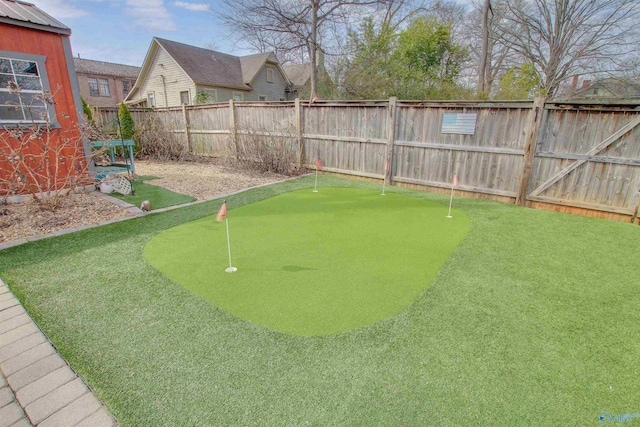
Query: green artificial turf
[[532, 321], [158, 196], [314, 263]]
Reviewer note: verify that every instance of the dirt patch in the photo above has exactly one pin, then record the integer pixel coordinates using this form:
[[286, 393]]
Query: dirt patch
[[21, 220], [202, 179]]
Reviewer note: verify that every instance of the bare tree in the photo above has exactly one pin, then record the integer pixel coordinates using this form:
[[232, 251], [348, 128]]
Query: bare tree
[[563, 38], [290, 27]]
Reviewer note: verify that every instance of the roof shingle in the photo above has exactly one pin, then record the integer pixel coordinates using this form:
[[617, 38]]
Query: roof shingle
[[90, 66]]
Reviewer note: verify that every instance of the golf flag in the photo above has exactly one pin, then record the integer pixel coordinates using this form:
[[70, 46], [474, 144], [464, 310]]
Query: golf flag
[[453, 186], [222, 213], [318, 164]]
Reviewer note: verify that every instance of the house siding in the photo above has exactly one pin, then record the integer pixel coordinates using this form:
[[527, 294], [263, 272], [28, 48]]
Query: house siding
[[273, 91], [115, 90], [176, 81], [224, 94]]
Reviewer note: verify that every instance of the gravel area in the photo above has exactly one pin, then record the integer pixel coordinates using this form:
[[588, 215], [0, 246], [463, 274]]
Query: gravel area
[[202, 179], [21, 220]]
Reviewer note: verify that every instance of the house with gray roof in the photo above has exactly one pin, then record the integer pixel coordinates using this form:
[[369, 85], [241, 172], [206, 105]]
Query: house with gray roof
[[176, 73], [300, 76], [104, 84]]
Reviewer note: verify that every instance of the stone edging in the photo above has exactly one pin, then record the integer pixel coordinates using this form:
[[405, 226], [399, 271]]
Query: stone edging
[[37, 386], [134, 210]]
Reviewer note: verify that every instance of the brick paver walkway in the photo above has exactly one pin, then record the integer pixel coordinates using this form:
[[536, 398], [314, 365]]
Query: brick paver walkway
[[37, 387]]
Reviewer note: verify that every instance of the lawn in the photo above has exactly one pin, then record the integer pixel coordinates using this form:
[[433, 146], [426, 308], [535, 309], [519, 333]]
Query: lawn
[[533, 320], [314, 263], [158, 197]]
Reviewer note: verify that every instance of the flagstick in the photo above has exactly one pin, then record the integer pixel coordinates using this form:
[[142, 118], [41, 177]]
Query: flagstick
[[315, 187], [231, 269], [383, 183], [450, 202]]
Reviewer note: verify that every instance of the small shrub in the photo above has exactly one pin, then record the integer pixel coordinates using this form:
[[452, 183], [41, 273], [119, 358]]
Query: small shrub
[[264, 151], [157, 142]]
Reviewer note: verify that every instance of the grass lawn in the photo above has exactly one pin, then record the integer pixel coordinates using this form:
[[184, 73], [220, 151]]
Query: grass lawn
[[158, 196], [314, 263], [533, 320]]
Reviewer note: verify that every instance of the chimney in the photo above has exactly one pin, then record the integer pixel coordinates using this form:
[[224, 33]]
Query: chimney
[[586, 84]]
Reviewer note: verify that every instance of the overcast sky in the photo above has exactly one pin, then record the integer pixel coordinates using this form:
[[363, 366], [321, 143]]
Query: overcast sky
[[121, 30]]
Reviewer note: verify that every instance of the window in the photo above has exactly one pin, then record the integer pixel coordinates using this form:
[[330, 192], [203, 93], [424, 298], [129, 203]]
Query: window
[[24, 90], [238, 96], [184, 97], [93, 87], [104, 87], [126, 87], [270, 75], [151, 99], [262, 97], [282, 99], [212, 95]]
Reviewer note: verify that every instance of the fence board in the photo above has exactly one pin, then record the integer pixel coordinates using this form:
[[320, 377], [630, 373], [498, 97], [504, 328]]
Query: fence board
[[352, 138]]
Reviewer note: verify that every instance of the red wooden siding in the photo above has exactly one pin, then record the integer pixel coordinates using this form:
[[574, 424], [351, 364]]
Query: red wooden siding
[[48, 44]]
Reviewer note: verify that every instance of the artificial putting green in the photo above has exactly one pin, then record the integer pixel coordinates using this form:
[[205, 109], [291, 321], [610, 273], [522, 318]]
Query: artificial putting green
[[313, 263]]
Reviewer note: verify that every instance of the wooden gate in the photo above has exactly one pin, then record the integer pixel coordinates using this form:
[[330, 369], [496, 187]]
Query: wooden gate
[[588, 159]]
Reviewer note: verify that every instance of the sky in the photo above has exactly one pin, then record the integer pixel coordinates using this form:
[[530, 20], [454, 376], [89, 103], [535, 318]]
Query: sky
[[121, 30]]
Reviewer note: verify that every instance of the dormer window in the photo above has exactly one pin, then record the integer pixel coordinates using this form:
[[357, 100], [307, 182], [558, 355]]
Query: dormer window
[[270, 75]]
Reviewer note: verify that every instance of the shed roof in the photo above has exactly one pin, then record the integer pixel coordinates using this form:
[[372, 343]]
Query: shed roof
[[24, 14], [90, 66]]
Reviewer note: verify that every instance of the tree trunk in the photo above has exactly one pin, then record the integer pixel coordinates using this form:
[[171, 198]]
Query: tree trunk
[[482, 69], [313, 48]]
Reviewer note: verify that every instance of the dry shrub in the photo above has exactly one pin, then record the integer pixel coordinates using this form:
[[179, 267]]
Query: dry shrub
[[264, 151], [157, 142]]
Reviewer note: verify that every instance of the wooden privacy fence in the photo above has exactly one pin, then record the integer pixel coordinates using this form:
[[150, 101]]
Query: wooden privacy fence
[[581, 158]]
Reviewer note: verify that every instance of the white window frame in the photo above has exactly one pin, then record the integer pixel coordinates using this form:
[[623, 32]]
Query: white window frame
[[213, 92], [239, 94], [101, 84], [39, 60], [91, 80], [262, 96], [151, 99], [180, 92], [270, 75]]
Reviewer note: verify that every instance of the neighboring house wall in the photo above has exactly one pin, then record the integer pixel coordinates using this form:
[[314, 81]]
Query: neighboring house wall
[[175, 81], [224, 94], [273, 91], [116, 90]]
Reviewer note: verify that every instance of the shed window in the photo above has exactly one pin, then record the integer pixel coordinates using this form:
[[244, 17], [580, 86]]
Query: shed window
[[104, 87], [238, 96], [24, 90], [93, 87], [270, 75]]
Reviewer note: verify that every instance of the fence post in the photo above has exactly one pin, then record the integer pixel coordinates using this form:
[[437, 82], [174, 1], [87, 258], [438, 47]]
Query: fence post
[[530, 141], [391, 138], [298, 119], [232, 123], [187, 127]]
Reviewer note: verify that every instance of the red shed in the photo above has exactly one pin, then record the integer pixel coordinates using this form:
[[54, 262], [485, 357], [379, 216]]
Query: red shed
[[38, 91]]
